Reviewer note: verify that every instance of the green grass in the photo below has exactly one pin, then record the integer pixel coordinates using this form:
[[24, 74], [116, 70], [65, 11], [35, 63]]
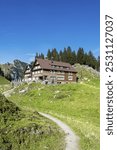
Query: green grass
[[4, 84], [27, 130], [75, 104], [3, 81], [86, 73]]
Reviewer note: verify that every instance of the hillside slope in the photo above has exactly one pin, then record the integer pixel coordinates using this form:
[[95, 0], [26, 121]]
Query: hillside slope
[[26, 130], [75, 104], [3, 81], [86, 73], [4, 84]]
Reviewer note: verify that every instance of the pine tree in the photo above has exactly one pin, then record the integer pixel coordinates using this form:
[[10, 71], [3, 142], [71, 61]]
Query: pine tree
[[42, 56], [85, 62], [65, 55], [91, 60], [69, 55], [98, 63], [60, 55], [80, 56], [49, 54], [73, 59], [55, 54], [37, 55]]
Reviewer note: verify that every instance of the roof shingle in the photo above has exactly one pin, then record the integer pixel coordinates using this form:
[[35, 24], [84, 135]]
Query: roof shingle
[[55, 65]]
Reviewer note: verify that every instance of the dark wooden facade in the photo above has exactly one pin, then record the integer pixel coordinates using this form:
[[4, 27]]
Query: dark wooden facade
[[50, 72]]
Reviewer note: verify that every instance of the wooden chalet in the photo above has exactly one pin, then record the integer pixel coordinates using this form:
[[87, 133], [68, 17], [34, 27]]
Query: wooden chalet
[[28, 74], [50, 71]]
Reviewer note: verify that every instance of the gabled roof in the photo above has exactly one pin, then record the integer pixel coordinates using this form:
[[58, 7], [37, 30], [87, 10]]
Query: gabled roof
[[53, 65], [28, 67]]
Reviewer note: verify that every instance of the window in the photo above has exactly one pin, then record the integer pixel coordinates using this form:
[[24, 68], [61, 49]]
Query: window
[[26, 75], [52, 71], [33, 78], [70, 77], [27, 71], [38, 67], [61, 67], [62, 72], [53, 66], [57, 66], [60, 78], [70, 73]]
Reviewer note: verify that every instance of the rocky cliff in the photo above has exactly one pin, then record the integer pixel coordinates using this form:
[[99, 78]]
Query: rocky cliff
[[15, 70]]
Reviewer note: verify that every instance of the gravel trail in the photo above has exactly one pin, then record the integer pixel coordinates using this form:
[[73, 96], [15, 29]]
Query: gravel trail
[[71, 139]]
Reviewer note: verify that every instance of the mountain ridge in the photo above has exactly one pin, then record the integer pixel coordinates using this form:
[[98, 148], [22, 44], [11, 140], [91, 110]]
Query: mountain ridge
[[15, 70]]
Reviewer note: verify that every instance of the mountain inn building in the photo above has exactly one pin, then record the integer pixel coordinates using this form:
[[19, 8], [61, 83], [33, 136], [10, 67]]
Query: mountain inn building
[[49, 71]]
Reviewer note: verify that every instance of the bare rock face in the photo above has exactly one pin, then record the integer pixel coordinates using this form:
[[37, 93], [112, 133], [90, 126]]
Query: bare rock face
[[13, 71]]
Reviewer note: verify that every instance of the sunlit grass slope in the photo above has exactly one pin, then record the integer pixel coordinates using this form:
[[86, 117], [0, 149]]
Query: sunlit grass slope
[[3, 81], [26, 130], [4, 84], [75, 104]]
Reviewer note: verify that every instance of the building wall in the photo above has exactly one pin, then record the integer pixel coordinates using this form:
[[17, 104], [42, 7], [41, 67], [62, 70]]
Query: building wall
[[58, 76]]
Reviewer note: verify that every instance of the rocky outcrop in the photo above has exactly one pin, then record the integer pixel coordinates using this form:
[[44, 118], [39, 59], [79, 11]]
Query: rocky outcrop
[[15, 70]]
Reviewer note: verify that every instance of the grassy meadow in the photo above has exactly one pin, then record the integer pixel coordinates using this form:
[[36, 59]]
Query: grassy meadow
[[3, 81], [27, 130], [4, 84], [75, 104]]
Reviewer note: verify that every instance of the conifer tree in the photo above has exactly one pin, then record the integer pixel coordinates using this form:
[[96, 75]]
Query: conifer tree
[[73, 59], [98, 63], [69, 54], [42, 55], [85, 62], [91, 60], [49, 55], [37, 55], [80, 56], [60, 55], [55, 54], [65, 55]]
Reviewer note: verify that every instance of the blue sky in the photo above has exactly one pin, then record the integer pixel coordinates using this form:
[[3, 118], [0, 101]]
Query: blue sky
[[30, 26]]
